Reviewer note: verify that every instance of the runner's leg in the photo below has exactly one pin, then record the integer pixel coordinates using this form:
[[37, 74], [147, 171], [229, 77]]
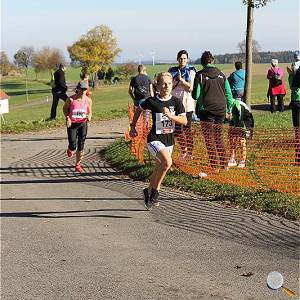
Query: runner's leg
[[81, 135]]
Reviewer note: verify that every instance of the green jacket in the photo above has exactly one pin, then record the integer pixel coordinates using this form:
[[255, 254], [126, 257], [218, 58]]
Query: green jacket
[[295, 91], [199, 93]]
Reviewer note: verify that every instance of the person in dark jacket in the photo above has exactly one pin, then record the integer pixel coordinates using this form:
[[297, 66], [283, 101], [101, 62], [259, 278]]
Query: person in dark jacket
[[58, 90], [214, 101], [140, 87], [294, 82]]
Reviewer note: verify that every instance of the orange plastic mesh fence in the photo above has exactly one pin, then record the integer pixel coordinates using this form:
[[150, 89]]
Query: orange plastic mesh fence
[[272, 155]]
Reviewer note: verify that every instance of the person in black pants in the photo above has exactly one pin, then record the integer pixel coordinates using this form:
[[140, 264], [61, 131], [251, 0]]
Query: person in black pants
[[59, 90], [214, 100], [294, 82]]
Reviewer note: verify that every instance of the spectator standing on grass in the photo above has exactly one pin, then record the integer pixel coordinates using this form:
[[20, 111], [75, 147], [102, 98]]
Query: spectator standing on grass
[[166, 111], [237, 81], [240, 129], [276, 86], [140, 87], [296, 63], [294, 82], [214, 101], [58, 90], [183, 81], [78, 111]]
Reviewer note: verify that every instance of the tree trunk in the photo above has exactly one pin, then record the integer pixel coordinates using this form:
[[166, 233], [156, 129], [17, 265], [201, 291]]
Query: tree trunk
[[26, 85], [249, 42]]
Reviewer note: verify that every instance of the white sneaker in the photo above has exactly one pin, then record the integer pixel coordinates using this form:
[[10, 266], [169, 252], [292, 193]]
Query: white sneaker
[[182, 156], [242, 164], [232, 163], [185, 156], [188, 156], [202, 175]]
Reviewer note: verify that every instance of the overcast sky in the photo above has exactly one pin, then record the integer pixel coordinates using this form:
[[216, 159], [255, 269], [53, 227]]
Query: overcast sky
[[144, 26]]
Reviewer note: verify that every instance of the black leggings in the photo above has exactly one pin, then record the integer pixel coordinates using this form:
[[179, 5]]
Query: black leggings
[[77, 131]]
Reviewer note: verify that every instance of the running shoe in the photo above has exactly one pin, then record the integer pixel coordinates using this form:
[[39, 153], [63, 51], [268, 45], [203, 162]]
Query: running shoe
[[232, 163], [186, 156], [154, 198], [182, 156], [70, 153], [242, 164], [78, 168], [202, 175], [189, 156], [146, 198]]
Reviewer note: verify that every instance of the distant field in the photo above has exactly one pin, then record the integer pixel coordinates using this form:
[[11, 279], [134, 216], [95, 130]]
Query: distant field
[[108, 101]]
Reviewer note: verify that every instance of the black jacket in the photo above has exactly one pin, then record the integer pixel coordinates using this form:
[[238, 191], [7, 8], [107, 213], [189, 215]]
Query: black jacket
[[60, 81], [212, 81]]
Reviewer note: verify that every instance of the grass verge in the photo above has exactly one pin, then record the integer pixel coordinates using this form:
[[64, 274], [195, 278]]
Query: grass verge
[[285, 205]]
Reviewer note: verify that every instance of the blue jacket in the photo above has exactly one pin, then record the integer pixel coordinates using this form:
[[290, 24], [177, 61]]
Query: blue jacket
[[237, 80]]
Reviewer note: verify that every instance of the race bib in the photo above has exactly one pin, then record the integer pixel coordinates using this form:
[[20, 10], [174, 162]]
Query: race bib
[[78, 114], [163, 124]]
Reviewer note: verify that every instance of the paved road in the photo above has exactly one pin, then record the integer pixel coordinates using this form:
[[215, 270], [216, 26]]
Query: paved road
[[88, 236]]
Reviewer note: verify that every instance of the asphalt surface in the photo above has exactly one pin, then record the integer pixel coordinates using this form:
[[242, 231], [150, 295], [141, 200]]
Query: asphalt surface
[[88, 236]]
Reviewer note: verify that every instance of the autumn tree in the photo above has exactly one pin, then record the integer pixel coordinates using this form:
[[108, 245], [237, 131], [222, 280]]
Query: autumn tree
[[23, 60], [95, 50], [5, 65], [251, 4], [126, 70], [47, 59]]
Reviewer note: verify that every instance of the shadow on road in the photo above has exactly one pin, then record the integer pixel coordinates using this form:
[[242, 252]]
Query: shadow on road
[[241, 226], [194, 213]]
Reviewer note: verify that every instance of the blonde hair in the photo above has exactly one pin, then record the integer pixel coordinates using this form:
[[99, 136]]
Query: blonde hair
[[163, 74]]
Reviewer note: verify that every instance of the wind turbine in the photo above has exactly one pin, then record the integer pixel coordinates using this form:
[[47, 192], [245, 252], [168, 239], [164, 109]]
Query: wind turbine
[[153, 57], [140, 58]]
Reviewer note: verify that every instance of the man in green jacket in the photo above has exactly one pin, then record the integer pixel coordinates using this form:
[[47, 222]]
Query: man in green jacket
[[294, 82], [214, 102]]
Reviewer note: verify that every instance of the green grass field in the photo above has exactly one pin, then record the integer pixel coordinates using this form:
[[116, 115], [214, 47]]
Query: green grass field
[[108, 101]]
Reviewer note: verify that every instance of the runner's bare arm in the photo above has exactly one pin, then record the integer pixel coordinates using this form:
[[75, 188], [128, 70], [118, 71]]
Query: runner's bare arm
[[131, 92], [90, 111], [151, 90], [181, 119], [66, 107]]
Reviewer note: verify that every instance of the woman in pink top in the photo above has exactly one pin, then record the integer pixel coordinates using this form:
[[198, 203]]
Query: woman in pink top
[[276, 86], [78, 111]]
